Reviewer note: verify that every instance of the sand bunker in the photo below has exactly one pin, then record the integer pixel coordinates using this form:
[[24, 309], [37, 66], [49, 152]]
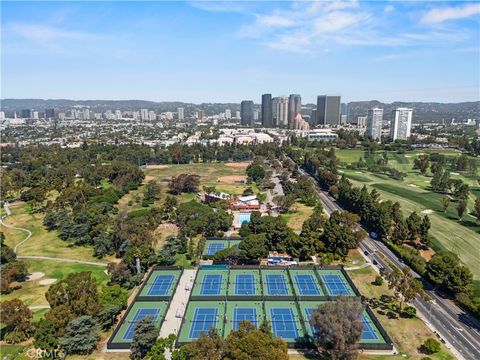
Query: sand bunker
[[232, 179], [427, 211], [35, 276], [412, 185], [454, 173], [47, 281], [156, 166], [239, 165], [358, 172], [408, 156], [149, 178]]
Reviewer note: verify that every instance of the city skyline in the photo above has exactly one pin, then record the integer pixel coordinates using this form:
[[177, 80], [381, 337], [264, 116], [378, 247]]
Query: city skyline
[[388, 51]]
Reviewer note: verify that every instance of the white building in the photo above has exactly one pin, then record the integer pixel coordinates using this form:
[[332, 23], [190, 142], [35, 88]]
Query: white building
[[181, 113], [401, 124], [144, 114], [151, 115], [2, 115], [237, 114], [282, 111], [118, 115], [322, 135], [374, 123], [228, 114]]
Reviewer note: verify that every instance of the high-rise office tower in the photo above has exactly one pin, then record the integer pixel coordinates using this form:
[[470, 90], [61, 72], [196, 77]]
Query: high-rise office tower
[[199, 114], [401, 124], [328, 110], [180, 113], [228, 114], [152, 116], [274, 111], [282, 111], [144, 114], [26, 114], [246, 112], [267, 111], [49, 113], [294, 107], [374, 123]]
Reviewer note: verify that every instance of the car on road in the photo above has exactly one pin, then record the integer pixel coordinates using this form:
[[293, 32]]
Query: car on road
[[375, 262], [366, 252], [374, 235]]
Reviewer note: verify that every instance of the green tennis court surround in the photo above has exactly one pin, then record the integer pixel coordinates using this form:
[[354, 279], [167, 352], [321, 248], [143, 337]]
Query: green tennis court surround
[[139, 310], [161, 283], [199, 317]]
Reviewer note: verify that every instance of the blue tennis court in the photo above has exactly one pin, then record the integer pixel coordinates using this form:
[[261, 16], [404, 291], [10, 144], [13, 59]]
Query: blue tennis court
[[335, 284], [276, 284], [161, 285], [212, 283], [243, 314], [368, 333], [213, 248], [283, 323], [203, 320], [139, 315], [306, 284], [244, 284]]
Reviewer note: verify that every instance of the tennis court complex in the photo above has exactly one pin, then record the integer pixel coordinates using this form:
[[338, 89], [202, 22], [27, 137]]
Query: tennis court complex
[[210, 282], [370, 333], [238, 311], [224, 296], [201, 316], [244, 283], [161, 283], [140, 310], [212, 246], [285, 320], [335, 283], [152, 300], [276, 283], [306, 283]]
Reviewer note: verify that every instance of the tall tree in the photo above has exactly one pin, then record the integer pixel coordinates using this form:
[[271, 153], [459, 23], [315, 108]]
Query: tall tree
[[17, 319], [209, 346], [461, 208], [248, 343], [144, 337], [81, 336], [338, 327], [445, 200], [404, 285]]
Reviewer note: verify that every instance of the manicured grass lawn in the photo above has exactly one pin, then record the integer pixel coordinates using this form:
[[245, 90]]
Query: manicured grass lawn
[[32, 293], [42, 242], [407, 334], [413, 193]]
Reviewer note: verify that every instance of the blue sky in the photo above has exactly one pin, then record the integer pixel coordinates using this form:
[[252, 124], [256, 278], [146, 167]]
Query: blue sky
[[229, 51]]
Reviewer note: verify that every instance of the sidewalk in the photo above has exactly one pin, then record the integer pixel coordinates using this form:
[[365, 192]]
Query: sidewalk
[[171, 324]]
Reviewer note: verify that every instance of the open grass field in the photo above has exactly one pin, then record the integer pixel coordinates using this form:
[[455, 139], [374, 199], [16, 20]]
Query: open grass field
[[413, 193], [407, 334], [42, 242], [224, 176], [33, 294], [298, 214]]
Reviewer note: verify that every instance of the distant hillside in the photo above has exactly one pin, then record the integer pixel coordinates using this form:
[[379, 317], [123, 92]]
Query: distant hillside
[[11, 105], [422, 111]]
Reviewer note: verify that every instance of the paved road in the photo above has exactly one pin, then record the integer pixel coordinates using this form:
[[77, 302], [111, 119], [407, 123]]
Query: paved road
[[458, 328]]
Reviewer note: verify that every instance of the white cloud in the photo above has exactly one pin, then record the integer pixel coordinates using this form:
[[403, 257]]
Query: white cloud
[[388, 9], [45, 34], [439, 15]]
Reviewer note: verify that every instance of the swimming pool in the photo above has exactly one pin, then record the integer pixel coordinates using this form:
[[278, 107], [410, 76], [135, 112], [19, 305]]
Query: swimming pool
[[242, 218]]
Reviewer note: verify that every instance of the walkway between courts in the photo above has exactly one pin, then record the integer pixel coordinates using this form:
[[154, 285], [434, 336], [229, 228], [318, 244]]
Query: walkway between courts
[[172, 323]]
